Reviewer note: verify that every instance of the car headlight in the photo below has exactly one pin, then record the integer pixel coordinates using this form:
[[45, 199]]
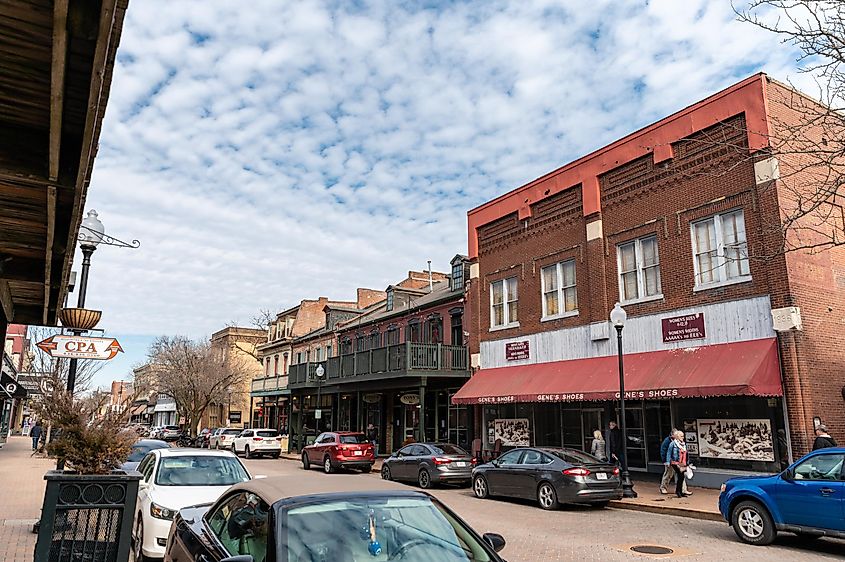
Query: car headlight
[[723, 487], [162, 512]]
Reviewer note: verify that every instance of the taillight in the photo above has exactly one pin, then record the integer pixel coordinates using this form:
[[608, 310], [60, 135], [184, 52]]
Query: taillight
[[576, 472], [616, 471], [474, 461], [440, 460], [258, 439]]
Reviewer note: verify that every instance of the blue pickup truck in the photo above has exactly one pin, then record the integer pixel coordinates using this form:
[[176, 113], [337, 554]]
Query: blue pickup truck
[[808, 499]]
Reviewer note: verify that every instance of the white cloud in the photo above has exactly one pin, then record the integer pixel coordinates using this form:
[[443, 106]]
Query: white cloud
[[299, 149]]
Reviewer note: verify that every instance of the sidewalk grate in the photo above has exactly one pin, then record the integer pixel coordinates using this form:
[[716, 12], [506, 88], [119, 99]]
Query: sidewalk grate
[[651, 549]]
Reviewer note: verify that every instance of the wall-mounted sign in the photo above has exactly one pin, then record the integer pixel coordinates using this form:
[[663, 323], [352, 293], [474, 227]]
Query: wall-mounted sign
[[234, 417], [410, 399], [689, 327], [517, 350], [371, 398], [80, 347]]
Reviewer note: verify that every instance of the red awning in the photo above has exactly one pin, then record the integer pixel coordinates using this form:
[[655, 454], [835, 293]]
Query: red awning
[[747, 368]]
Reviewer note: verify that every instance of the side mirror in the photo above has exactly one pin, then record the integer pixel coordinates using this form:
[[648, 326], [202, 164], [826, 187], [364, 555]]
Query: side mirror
[[787, 475], [495, 540], [495, 463]]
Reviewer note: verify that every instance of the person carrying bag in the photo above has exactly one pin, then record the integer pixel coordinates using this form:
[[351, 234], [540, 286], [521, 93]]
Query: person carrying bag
[[677, 458]]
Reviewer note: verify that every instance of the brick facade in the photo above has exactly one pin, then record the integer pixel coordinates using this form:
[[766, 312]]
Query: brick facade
[[658, 182]]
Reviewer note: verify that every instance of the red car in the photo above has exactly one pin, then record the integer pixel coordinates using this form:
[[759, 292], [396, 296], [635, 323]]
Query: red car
[[341, 449]]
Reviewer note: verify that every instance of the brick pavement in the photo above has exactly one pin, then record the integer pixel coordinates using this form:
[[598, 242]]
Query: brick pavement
[[21, 495]]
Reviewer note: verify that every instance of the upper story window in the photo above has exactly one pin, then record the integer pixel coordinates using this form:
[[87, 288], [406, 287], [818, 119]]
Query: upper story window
[[638, 263], [503, 301], [560, 294], [318, 354], [458, 276], [389, 302], [412, 332], [391, 336], [375, 339], [720, 249], [346, 346], [276, 365], [267, 367], [329, 351], [360, 343]]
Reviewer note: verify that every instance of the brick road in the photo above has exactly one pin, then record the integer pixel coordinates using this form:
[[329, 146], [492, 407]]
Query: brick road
[[572, 533], [21, 493]]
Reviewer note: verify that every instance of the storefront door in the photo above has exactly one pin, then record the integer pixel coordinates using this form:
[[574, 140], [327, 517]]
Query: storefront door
[[412, 421], [636, 442], [591, 420]]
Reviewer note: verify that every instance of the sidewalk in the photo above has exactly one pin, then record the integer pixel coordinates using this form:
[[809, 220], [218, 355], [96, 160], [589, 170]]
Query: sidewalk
[[703, 504], [21, 495]]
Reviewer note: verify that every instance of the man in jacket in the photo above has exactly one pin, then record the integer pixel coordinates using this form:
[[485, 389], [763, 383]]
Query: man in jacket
[[35, 433], [823, 438], [614, 443]]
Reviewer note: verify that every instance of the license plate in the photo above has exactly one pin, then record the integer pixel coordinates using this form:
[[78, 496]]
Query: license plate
[[460, 463], [601, 475], [357, 453]]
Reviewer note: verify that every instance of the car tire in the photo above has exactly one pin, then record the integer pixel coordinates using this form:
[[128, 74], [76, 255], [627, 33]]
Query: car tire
[[424, 479], [752, 523], [276, 455], [367, 469], [327, 465], [306, 464], [480, 487], [138, 540], [234, 451], [247, 454], [385, 472], [547, 496]]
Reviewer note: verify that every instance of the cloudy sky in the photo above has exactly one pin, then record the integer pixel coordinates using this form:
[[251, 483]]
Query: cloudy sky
[[269, 151]]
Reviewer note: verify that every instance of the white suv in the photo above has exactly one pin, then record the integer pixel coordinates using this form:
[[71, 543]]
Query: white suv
[[252, 442], [223, 437]]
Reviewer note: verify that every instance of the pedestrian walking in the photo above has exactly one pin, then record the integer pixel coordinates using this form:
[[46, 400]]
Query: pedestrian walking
[[677, 456], [668, 471], [614, 443], [372, 437], [823, 438], [598, 447], [35, 433]]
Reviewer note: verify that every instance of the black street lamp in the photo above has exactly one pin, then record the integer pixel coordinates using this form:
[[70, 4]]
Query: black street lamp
[[318, 415], [618, 316]]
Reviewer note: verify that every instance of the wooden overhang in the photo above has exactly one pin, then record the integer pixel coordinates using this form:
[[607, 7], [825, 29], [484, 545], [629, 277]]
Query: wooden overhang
[[56, 63]]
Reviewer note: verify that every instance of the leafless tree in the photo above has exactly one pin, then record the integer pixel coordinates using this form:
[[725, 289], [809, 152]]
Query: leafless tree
[[807, 136], [196, 375]]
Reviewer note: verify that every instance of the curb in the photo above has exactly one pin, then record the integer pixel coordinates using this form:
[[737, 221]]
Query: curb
[[661, 510]]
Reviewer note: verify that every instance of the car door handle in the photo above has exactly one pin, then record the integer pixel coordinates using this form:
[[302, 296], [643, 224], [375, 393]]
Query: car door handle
[[827, 491]]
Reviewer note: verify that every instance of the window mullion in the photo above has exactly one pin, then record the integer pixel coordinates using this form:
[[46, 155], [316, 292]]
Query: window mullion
[[721, 255], [561, 291], [638, 255]]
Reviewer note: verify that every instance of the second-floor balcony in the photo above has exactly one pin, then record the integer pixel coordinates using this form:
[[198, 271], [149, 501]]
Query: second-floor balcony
[[413, 359], [269, 384]]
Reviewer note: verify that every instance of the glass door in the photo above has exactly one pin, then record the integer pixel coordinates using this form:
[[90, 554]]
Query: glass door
[[591, 420], [658, 423], [636, 442]]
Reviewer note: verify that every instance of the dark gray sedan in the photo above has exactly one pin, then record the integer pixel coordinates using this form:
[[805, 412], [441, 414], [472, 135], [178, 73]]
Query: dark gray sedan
[[549, 475], [428, 464]]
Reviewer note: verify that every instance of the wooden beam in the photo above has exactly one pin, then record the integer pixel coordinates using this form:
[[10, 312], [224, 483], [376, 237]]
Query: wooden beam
[[48, 255], [6, 300], [57, 83]]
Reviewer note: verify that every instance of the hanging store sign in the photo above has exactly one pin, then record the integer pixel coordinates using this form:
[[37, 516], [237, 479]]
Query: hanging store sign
[[410, 399], [80, 347], [371, 398], [689, 327], [516, 351]]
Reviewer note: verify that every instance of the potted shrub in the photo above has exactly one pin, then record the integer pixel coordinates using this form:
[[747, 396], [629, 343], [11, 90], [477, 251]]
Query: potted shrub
[[88, 504]]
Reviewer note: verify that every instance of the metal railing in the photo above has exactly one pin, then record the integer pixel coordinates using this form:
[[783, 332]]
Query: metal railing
[[264, 384], [409, 357]]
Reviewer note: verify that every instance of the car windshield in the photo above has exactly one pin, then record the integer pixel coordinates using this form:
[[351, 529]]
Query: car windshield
[[408, 529], [200, 470], [232, 432], [448, 449], [267, 433], [574, 457], [352, 439], [140, 450]]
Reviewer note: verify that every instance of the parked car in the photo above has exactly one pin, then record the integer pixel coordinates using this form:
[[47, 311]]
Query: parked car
[[254, 442], [429, 464], [170, 433], [549, 475], [173, 479], [139, 451], [155, 432], [223, 438], [274, 520], [808, 498], [334, 450]]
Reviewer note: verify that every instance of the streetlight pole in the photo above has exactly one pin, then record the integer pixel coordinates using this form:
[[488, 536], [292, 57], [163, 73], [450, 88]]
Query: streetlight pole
[[618, 316], [319, 372]]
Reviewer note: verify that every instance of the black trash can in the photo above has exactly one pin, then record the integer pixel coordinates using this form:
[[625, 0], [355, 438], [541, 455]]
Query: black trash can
[[87, 517]]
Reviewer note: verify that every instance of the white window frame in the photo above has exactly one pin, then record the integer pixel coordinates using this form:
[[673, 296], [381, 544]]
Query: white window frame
[[506, 300], [561, 291], [638, 257], [720, 259]]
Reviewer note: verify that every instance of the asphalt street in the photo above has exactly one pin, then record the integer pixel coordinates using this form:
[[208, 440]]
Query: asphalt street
[[574, 533]]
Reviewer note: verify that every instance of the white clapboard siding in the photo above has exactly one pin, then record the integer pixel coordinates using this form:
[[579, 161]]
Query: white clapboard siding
[[725, 322]]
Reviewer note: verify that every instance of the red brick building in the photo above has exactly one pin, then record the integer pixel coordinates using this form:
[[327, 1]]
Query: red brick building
[[727, 337]]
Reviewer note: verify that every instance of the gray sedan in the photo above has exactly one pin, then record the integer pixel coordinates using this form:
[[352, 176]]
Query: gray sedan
[[428, 464], [549, 475]]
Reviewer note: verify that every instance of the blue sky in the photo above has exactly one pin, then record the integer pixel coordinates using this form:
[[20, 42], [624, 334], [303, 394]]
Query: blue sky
[[286, 150]]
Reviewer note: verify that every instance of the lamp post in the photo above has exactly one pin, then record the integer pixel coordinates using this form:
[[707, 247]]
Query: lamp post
[[618, 316], [318, 414]]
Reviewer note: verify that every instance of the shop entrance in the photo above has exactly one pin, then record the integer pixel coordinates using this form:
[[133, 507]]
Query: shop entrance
[[591, 420]]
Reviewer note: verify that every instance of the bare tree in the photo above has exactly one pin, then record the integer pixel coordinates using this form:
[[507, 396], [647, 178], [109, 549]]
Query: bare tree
[[807, 134], [195, 374]]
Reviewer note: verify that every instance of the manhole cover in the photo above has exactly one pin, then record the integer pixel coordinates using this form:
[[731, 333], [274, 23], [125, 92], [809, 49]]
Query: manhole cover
[[651, 549]]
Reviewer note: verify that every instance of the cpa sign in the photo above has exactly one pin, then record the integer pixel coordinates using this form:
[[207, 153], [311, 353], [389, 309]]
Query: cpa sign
[[80, 347]]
